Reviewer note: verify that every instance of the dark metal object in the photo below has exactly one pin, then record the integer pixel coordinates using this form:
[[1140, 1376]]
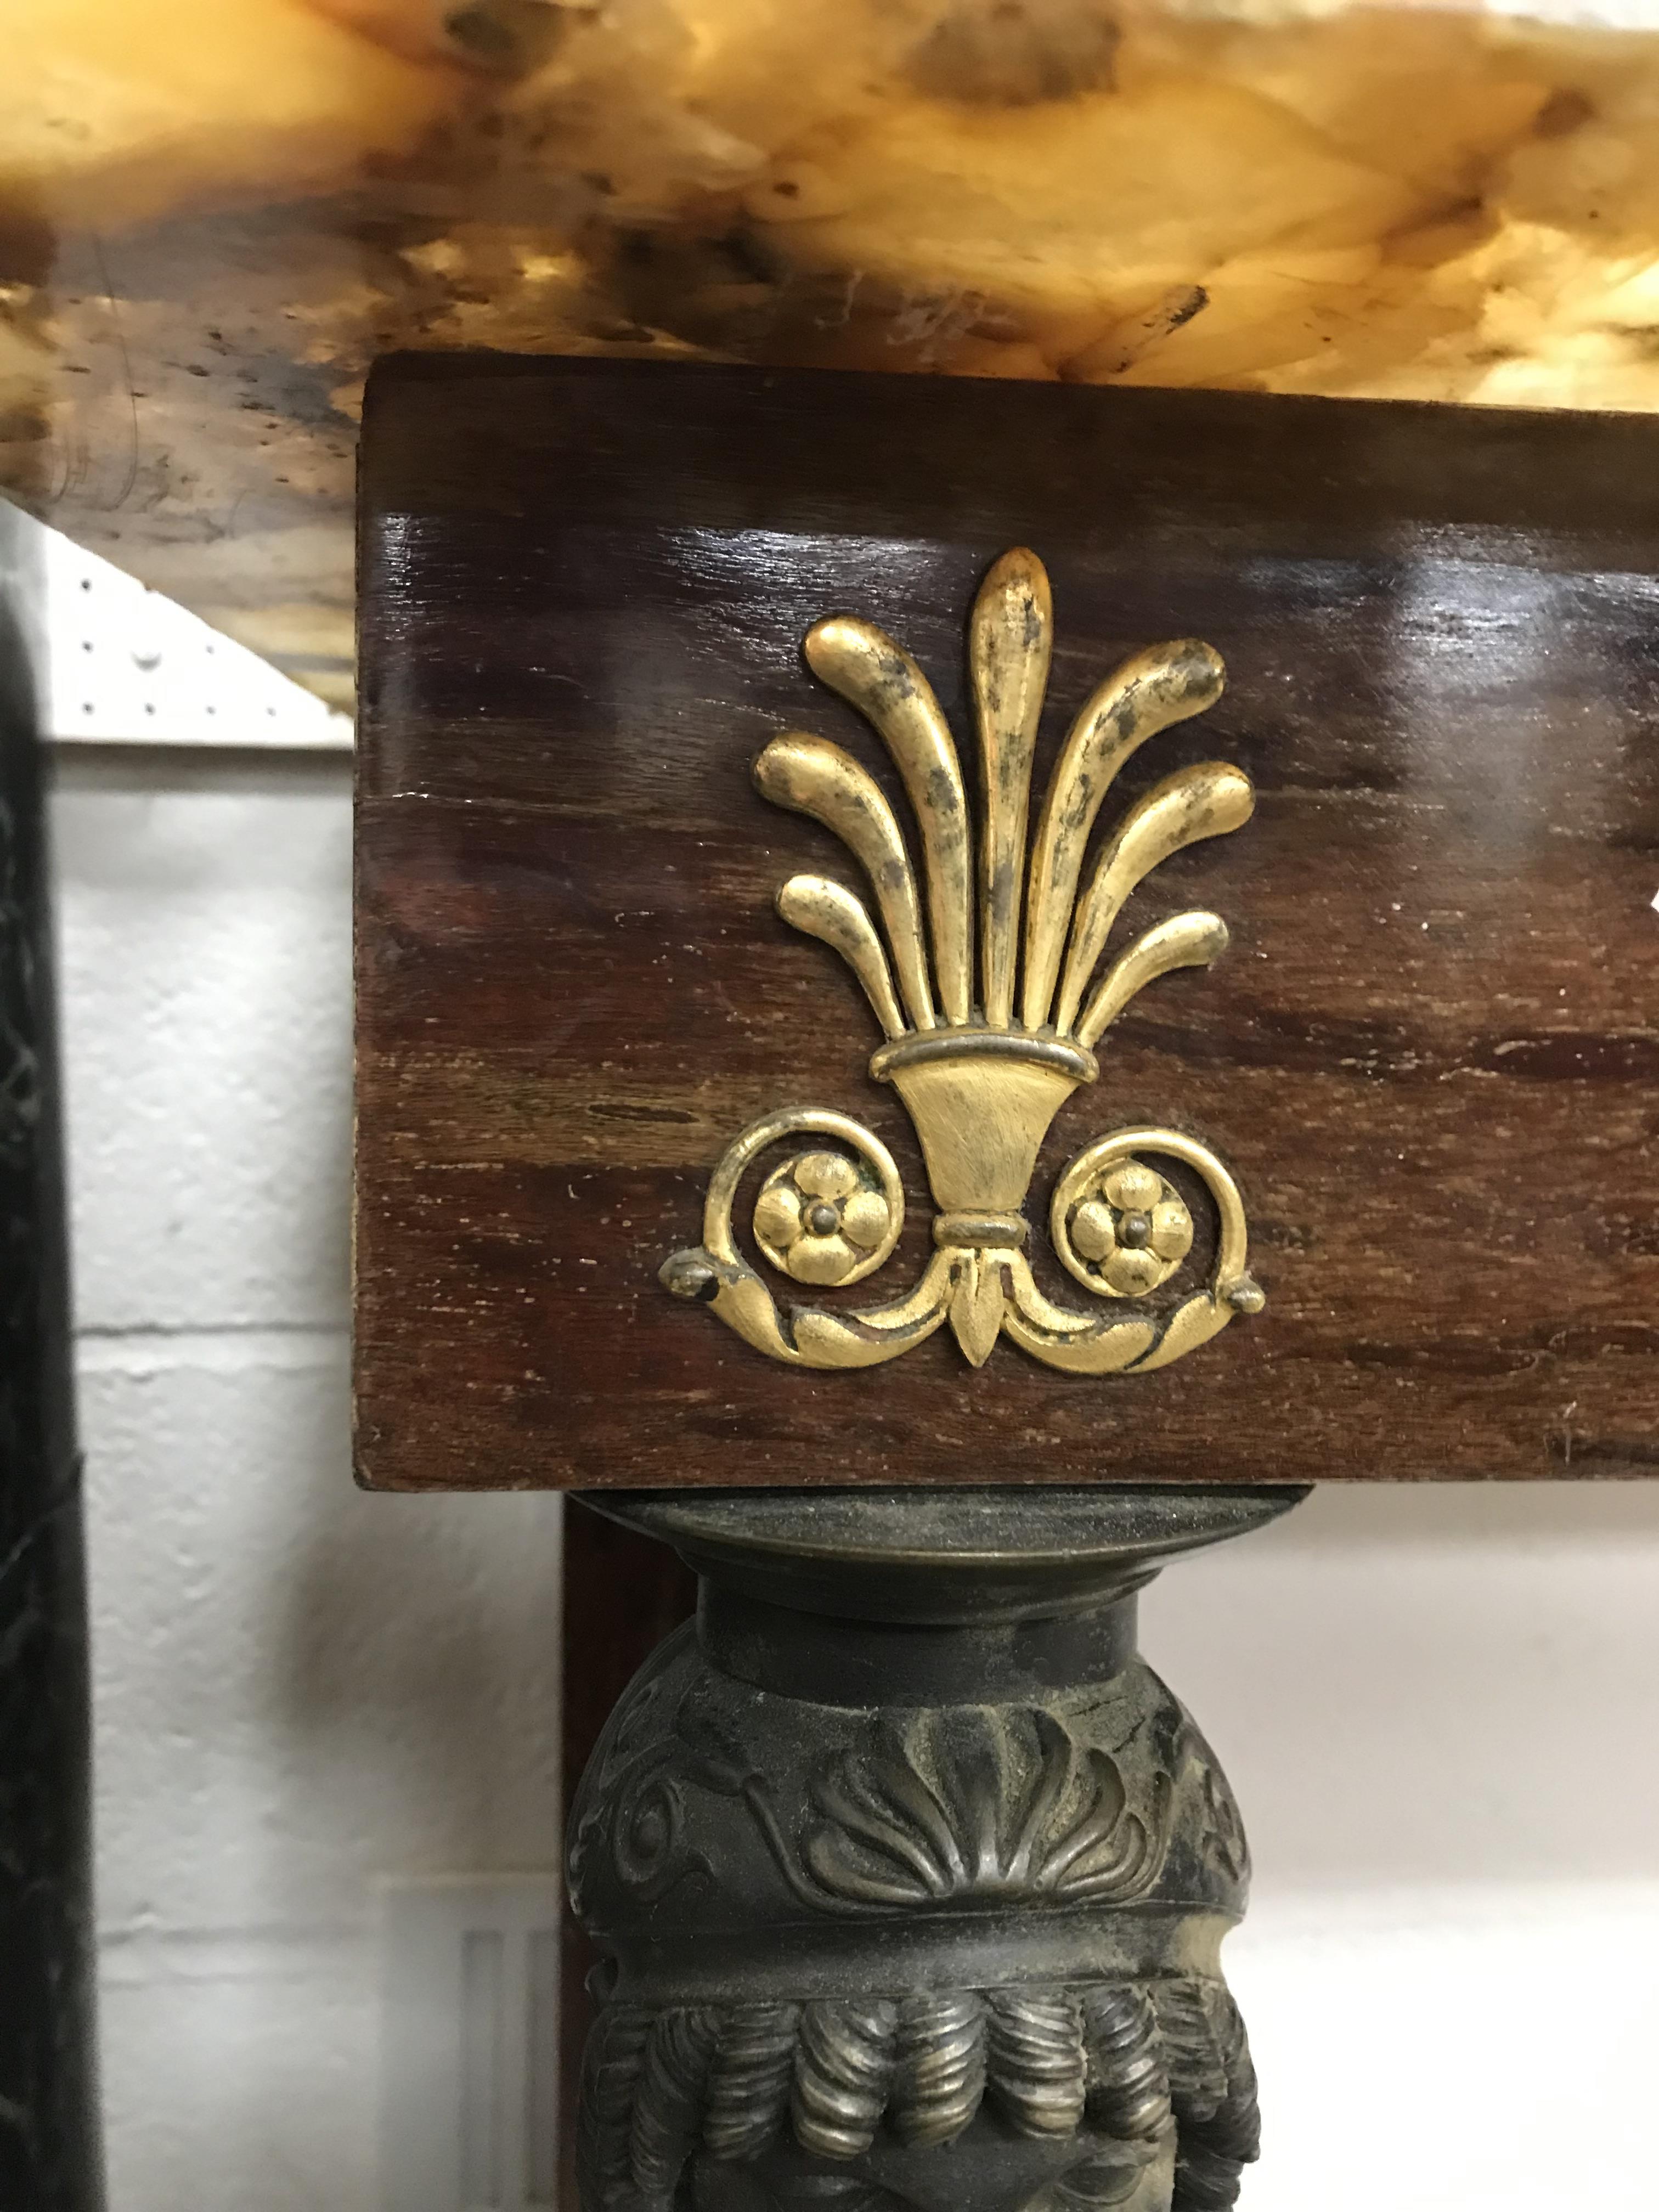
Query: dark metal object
[[50, 2155], [908, 1873]]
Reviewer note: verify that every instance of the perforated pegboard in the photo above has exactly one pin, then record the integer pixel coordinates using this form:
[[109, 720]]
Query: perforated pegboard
[[124, 665]]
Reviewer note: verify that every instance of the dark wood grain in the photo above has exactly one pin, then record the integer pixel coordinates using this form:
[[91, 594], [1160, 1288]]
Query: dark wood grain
[[1430, 1055], [622, 1593]]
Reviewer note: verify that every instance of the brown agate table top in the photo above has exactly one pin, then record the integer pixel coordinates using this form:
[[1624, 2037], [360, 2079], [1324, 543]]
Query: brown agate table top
[[212, 218]]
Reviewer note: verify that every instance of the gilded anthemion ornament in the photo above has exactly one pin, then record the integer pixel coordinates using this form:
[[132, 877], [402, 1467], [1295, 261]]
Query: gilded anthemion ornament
[[984, 1062]]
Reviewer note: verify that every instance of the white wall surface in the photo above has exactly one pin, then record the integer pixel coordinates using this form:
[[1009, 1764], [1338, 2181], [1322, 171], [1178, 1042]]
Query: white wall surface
[[1440, 1708], [300, 1690]]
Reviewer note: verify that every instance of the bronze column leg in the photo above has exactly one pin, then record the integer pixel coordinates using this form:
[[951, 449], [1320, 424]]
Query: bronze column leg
[[906, 1873]]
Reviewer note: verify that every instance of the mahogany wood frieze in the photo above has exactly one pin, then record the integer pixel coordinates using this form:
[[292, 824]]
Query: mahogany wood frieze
[[599, 952]]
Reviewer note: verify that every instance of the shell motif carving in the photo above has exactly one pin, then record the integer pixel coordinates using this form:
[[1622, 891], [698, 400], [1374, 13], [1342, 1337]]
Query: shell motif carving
[[981, 1803], [954, 1807]]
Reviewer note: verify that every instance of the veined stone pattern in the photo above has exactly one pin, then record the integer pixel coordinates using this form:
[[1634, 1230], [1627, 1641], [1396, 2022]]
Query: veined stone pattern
[[212, 220]]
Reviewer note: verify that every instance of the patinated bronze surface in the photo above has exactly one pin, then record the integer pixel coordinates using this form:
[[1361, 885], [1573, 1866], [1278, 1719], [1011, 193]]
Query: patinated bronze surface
[[1427, 1056], [909, 1875]]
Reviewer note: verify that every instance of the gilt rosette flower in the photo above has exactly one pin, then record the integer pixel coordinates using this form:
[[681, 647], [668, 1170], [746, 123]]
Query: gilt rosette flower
[[1130, 1231], [819, 1221]]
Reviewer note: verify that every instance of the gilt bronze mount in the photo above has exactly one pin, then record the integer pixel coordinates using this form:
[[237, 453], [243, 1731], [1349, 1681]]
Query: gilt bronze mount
[[983, 1086], [910, 1877]]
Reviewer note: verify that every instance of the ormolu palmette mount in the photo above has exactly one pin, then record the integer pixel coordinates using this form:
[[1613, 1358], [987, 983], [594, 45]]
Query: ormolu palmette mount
[[984, 1054]]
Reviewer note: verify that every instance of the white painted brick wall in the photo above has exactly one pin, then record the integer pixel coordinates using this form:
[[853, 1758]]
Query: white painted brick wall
[[1440, 1708], [300, 1690]]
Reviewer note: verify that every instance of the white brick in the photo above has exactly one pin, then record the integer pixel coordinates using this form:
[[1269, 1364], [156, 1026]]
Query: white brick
[[301, 1687], [239, 2075], [204, 955]]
